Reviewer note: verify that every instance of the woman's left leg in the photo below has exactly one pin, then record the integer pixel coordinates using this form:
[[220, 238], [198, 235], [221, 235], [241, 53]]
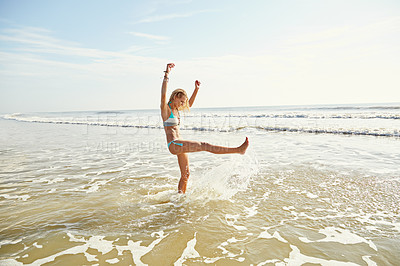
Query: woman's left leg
[[183, 161], [184, 146]]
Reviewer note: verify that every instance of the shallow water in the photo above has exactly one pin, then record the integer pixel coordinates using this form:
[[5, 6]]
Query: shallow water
[[86, 195]]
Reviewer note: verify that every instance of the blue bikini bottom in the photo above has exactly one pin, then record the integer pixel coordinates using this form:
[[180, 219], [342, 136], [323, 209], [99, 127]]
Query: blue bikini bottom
[[179, 144]]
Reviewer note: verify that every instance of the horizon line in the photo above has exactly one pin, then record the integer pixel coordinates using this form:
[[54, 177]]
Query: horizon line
[[214, 107]]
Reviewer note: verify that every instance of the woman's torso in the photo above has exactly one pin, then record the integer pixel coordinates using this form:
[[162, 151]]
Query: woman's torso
[[172, 133], [171, 125]]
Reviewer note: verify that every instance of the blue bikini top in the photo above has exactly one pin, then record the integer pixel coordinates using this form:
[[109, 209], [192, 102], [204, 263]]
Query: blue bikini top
[[172, 120]]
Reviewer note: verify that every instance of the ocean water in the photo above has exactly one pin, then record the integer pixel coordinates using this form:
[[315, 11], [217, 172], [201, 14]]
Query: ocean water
[[319, 185]]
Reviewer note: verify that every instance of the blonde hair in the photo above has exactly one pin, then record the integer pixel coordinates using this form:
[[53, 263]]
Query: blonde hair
[[179, 93]]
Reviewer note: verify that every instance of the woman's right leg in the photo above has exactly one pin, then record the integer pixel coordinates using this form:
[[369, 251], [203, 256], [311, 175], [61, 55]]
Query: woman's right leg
[[195, 146], [183, 161]]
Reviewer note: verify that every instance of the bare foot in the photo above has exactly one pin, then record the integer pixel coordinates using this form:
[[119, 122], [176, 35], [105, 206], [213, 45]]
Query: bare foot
[[242, 148]]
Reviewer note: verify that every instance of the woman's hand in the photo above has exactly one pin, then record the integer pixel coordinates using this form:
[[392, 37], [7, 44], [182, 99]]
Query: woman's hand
[[169, 67], [196, 88]]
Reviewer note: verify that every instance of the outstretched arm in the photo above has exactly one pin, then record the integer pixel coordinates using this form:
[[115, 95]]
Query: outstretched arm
[[165, 85], [196, 89]]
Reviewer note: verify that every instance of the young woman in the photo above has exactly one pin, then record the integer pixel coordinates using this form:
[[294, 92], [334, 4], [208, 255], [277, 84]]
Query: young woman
[[177, 146]]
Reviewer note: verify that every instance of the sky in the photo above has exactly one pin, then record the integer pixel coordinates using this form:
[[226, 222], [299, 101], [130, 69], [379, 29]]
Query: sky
[[110, 55]]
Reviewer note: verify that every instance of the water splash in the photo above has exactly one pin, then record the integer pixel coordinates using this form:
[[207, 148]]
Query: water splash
[[222, 182]]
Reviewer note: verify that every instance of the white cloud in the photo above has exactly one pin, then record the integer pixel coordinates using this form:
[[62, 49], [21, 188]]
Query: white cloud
[[163, 17], [39, 41], [150, 36], [40, 73], [354, 36], [158, 18], [336, 65]]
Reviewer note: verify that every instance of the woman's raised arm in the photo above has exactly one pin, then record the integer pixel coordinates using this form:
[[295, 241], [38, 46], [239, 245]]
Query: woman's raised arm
[[196, 89], [165, 85]]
